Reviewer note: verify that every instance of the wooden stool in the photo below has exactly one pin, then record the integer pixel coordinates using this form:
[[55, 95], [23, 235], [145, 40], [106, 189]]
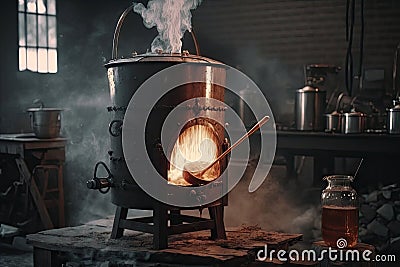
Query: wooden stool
[[43, 174]]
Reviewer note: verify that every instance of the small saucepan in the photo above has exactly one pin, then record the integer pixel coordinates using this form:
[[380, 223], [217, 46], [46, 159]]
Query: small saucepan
[[353, 122]]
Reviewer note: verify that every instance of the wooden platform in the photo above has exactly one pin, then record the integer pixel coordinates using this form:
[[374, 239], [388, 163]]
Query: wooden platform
[[90, 245]]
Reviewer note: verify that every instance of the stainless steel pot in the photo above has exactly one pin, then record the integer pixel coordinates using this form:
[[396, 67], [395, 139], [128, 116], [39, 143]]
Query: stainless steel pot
[[310, 107], [353, 122], [45, 122], [333, 122], [393, 121]]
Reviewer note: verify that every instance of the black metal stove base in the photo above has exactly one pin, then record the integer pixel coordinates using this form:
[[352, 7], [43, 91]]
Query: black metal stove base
[[178, 223]]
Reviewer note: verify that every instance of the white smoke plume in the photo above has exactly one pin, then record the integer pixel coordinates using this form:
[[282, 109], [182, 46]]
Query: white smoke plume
[[172, 19]]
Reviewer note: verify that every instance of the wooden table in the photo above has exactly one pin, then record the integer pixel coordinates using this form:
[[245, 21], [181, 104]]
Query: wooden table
[[51, 154], [324, 147], [91, 244]]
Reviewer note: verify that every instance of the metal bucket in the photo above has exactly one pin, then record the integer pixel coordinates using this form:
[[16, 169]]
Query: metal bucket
[[310, 108], [45, 122]]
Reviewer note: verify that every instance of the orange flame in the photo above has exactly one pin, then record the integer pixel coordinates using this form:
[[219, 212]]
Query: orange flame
[[196, 143]]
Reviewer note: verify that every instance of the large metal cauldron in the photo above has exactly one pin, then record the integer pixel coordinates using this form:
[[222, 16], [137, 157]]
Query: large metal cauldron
[[125, 76]]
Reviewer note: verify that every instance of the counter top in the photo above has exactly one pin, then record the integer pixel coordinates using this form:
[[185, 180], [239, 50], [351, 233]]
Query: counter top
[[338, 144], [27, 137]]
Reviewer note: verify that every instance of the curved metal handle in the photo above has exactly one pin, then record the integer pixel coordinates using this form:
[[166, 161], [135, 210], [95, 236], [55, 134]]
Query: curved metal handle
[[103, 184], [118, 128], [117, 30]]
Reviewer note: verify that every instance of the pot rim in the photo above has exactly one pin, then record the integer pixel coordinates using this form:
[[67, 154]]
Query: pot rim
[[354, 114], [43, 109], [164, 57], [336, 114], [310, 89]]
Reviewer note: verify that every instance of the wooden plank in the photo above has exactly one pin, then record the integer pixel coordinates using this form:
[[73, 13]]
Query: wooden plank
[[55, 154], [46, 144], [60, 185], [187, 218], [217, 214], [135, 225], [36, 196], [28, 137], [117, 230], [183, 248], [43, 258], [190, 227], [160, 227]]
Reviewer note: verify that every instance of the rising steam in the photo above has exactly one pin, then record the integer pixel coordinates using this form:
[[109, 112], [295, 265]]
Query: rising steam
[[172, 19]]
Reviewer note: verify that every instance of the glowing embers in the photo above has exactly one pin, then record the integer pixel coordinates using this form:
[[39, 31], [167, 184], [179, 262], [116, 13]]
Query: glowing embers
[[196, 143]]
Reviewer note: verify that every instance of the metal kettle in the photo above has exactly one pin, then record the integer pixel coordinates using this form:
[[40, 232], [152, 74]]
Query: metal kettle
[[310, 107]]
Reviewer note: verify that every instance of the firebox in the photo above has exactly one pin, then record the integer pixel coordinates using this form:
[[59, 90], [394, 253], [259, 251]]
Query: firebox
[[201, 138]]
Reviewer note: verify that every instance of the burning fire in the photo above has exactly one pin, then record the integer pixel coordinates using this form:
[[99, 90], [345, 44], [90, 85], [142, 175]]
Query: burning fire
[[197, 143]]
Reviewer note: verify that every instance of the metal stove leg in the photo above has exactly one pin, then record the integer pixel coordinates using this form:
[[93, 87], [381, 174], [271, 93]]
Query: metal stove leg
[[217, 214], [117, 231], [160, 234]]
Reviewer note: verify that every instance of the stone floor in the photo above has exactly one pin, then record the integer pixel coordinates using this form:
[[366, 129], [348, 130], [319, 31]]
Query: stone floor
[[13, 257], [14, 251]]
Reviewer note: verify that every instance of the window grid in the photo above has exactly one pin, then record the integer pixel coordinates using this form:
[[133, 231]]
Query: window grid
[[37, 35]]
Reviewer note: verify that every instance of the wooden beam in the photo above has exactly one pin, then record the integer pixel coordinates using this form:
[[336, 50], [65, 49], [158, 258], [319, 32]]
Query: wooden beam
[[36, 196]]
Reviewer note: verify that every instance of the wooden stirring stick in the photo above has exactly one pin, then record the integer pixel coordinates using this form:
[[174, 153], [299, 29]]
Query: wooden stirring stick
[[238, 142]]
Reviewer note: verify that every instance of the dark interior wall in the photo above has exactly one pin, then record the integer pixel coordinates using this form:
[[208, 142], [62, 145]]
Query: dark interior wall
[[269, 40], [85, 30], [272, 40]]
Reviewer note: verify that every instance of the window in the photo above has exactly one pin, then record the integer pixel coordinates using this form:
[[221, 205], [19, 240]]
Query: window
[[37, 35]]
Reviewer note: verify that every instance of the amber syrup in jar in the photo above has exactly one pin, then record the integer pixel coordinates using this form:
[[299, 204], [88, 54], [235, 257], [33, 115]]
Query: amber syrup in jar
[[339, 212]]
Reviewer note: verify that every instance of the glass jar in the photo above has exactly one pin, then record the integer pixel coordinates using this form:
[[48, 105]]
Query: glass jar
[[339, 212]]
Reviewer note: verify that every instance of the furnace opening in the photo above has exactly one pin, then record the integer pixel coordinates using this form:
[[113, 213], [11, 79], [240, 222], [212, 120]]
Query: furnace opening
[[197, 142]]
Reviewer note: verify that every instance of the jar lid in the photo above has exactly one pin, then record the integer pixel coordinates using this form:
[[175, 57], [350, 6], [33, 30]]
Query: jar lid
[[339, 177]]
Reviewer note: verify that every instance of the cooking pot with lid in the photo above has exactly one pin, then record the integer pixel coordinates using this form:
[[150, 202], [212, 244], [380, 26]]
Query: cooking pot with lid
[[353, 122], [333, 122]]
